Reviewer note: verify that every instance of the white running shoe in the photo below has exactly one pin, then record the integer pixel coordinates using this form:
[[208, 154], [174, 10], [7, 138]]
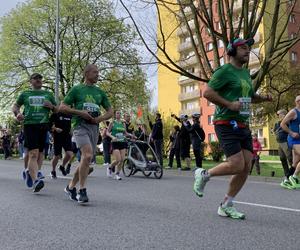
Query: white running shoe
[[109, 172], [117, 177]]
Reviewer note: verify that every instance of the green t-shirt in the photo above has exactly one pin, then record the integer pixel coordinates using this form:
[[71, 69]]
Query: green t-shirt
[[232, 84], [118, 130], [33, 101], [85, 97]]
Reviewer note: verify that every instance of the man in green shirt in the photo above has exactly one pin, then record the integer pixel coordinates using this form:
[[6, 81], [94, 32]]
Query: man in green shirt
[[230, 88], [37, 106], [83, 102]]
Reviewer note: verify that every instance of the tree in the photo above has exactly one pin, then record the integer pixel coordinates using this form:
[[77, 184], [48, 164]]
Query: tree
[[283, 83], [89, 33], [275, 13]]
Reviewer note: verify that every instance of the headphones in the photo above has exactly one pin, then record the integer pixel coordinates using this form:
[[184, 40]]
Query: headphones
[[231, 50]]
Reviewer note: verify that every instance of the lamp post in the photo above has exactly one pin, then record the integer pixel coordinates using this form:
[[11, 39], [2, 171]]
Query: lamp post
[[56, 89]]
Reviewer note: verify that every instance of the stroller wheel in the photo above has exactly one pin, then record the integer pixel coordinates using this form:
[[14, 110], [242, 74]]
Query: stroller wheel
[[159, 172], [147, 173], [127, 167]]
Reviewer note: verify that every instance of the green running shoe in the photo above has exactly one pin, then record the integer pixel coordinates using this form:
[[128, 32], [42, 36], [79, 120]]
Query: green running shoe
[[287, 184], [294, 181], [201, 177], [230, 212]]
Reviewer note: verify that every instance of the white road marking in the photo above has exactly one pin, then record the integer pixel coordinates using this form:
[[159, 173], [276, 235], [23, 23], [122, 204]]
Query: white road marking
[[268, 206]]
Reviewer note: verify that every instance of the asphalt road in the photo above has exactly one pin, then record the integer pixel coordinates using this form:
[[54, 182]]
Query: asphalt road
[[141, 213]]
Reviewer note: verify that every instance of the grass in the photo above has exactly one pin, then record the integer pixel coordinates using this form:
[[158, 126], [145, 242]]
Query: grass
[[266, 168]]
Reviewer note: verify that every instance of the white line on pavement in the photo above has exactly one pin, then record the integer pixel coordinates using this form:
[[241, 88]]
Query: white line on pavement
[[268, 206]]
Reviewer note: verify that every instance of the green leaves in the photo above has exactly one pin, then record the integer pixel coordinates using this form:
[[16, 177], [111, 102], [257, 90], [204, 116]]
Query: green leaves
[[89, 33]]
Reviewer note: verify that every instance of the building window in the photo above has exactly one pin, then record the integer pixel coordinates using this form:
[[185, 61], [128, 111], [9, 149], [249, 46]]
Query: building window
[[292, 18], [211, 62], [294, 57], [218, 25], [211, 137], [293, 35], [210, 119], [220, 44], [209, 46]]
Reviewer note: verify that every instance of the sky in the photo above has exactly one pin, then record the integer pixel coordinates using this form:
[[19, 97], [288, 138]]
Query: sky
[[140, 14]]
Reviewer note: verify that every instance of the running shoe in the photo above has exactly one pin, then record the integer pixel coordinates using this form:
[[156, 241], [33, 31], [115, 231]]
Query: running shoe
[[68, 169], [82, 196], [231, 212], [91, 169], [117, 177], [294, 181], [24, 174], [53, 175], [109, 172], [201, 177], [38, 185], [40, 175], [62, 170], [286, 184], [28, 179], [71, 193]]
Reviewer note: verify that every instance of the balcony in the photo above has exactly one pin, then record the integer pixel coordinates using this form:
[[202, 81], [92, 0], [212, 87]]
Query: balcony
[[189, 95], [182, 30], [188, 62], [189, 112], [182, 80]]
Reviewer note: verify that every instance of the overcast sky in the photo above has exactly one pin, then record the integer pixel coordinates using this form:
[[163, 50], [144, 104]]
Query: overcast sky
[[7, 5]]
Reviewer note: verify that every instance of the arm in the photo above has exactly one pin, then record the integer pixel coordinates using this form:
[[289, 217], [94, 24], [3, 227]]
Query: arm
[[175, 117], [286, 120], [259, 98], [108, 114], [108, 131], [64, 108], [215, 98], [16, 111]]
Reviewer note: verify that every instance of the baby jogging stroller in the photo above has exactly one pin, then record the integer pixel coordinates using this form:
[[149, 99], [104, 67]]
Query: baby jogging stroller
[[141, 157]]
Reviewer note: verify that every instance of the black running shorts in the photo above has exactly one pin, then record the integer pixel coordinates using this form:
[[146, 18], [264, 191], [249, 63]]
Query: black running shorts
[[119, 145], [35, 136], [234, 140], [62, 141]]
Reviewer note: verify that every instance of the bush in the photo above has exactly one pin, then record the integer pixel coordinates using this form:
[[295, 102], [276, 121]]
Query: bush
[[216, 151]]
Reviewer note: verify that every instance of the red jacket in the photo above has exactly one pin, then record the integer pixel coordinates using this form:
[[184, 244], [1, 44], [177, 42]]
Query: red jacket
[[256, 147]]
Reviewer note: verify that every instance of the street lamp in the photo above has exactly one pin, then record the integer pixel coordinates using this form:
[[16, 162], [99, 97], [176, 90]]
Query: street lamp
[[56, 89]]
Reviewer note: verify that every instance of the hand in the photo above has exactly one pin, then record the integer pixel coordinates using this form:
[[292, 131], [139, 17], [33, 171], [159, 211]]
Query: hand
[[48, 105], [172, 115], [97, 120], [85, 115], [58, 130], [235, 106], [20, 117], [294, 135]]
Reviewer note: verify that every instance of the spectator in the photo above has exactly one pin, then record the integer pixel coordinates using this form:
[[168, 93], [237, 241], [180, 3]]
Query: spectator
[[6, 140], [21, 144], [175, 147], [256, 152], [106, 140], [157, 137]]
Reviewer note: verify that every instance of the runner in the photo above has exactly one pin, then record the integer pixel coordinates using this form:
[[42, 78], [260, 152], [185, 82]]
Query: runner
[[117, 132], [285, 153], [128, 124], [293, 119], [85, 100], [61, 127], [230, 88], [37, 106]]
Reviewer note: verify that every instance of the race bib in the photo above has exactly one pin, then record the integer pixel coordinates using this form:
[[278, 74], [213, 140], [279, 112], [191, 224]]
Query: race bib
[[120, 136], [246, 105], [92, 108], [36, 101]]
